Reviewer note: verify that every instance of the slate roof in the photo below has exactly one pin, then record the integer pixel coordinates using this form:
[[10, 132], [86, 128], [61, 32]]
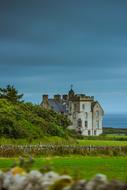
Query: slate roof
[[57, 106]]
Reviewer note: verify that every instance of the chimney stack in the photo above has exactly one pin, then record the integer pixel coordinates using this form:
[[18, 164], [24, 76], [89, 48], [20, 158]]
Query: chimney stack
[[65, 97], [45, 98], [57, 97]]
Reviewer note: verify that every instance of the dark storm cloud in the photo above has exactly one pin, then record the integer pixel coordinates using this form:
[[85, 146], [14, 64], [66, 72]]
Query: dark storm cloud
[[47, 45]]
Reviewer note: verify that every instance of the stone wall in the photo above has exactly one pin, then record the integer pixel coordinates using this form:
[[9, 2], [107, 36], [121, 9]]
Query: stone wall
[[18, 179]]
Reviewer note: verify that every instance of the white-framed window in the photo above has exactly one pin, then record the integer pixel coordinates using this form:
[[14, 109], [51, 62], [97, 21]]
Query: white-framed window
[[97, 113], [74, 115], [79, 122], [86, 115], [89, 132], [75, 107], [97, 124], [83, 106], [86, 124]]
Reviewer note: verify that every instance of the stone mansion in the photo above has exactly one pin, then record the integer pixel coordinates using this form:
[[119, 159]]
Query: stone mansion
[[85, 113]]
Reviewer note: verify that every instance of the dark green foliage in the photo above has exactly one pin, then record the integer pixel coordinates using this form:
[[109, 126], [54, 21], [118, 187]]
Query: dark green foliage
[[25, 120], [11, 94]]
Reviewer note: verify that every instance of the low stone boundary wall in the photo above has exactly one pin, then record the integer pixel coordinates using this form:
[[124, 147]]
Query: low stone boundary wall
[[14, 150]]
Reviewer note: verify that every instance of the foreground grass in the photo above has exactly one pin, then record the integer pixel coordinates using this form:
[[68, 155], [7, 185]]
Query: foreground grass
[[78, 166]]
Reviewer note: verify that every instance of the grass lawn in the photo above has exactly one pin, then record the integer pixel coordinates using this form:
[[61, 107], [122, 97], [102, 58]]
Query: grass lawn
[[78, 166], [102, 143]]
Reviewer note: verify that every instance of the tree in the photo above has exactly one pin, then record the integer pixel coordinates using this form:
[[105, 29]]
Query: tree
[[11, 94]]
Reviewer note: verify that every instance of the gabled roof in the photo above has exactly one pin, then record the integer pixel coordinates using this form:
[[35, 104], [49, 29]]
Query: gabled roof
[[94, 103]]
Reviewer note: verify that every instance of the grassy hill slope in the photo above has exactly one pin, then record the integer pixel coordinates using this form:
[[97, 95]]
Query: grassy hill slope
[[25, 120]]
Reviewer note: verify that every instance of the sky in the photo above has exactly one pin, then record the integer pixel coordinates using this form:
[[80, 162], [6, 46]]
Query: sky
[[47, 45]]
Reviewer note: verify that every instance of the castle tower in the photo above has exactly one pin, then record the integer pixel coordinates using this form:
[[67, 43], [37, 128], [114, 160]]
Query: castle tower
[[71, 93]]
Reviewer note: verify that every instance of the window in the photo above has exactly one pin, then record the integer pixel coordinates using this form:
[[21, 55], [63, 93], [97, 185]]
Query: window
[[95, 133], [86, 115], [86, 124], [83, 106], [89, 132], [97, 113], [74, 115], [79, 123], [97, 124], [70, 108], [75, 107]]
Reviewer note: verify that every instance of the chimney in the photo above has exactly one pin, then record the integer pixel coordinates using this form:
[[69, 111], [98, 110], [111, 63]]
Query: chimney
[[92, 97], [57, 97], [65, 97], [45, 98]]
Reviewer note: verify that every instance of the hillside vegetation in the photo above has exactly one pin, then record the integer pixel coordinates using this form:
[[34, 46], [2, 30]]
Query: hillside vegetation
[[25, 120]]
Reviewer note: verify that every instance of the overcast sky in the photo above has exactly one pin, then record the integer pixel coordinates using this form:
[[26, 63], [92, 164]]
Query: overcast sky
[[47, 45]]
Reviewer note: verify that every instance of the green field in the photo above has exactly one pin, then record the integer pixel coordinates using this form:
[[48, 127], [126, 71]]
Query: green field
[[62, 141], [102, 143], [78, 166]]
